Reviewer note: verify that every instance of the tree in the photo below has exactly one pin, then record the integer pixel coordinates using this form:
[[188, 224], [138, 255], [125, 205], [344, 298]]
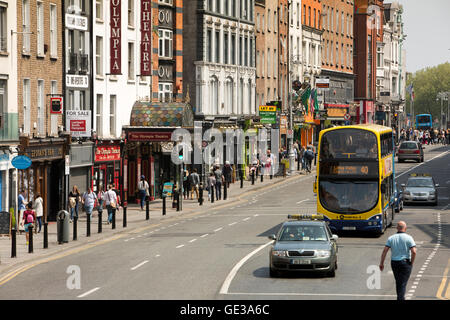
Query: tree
[[427, 84]]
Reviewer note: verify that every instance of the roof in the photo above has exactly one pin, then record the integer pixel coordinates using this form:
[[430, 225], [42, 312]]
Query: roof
[[373, 127], [160, 114]]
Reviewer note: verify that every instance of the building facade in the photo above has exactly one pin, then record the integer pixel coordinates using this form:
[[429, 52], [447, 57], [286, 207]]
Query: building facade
[[40, 58], [219, 38], [337, 60], [368, 18], [391, 72], [9, 133]]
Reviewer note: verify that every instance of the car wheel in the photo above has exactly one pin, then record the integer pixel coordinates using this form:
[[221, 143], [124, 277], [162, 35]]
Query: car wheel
[[273, 273], [332, 272], [401, 206], [435, 203]]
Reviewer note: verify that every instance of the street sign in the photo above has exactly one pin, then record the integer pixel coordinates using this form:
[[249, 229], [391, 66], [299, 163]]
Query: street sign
[[56, 104], [323, 83], [21, 162], [347, 117]]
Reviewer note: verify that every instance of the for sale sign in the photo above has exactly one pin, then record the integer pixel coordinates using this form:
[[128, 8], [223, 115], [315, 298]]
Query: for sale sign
[[79, 123]]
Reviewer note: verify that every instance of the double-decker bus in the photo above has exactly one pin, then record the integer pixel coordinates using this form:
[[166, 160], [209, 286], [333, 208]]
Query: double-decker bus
[[355, 177], [424, 121]]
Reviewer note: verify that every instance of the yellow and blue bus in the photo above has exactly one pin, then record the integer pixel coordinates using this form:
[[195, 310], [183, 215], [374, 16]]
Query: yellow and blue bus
[[424, 121], [355, 177]]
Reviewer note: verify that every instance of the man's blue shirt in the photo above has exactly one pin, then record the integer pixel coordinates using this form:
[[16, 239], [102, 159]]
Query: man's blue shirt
[[400, 244]]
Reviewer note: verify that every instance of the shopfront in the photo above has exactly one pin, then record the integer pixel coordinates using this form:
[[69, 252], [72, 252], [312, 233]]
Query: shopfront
[[107, 164], [46, 174], [148, 145]]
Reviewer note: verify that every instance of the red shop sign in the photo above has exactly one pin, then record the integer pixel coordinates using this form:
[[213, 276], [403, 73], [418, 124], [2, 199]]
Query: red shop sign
[[150, 136], [146, 36], [109, 153]]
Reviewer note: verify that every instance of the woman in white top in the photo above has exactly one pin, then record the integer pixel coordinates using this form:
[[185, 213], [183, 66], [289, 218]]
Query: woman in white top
[[39, 208]]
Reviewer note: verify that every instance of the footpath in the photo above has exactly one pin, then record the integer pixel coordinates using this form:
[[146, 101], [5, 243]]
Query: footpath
[[135, 222]]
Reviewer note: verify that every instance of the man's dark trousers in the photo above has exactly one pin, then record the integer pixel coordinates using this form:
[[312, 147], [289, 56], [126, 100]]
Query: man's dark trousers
[[402, 271], [218, 190]]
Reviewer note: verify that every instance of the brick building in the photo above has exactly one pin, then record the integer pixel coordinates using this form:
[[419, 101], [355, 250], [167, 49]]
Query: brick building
[[337, 59], [368, 23], [39, 77]]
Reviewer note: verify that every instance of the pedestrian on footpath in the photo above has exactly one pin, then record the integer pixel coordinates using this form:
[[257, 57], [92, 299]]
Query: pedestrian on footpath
[[194, 181], [110, 198], [39, 208], [211, 183], [143, 191], [219, 178], [403, 254], [186, 185], [22, 207], [227, 173], [88, 201], [74, 199], [29, 217]]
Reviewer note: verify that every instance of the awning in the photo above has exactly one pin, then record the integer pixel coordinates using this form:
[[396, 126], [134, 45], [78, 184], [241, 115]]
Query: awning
[[160, 114]]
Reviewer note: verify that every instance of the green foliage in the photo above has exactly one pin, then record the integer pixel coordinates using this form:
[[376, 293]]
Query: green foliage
[[427, 84]]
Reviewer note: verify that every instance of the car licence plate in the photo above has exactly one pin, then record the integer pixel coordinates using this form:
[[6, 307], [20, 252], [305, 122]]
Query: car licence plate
[[348, 228], [300, 261]]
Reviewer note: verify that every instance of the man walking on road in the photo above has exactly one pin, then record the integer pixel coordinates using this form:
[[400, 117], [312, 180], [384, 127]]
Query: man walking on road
[[403, 255]]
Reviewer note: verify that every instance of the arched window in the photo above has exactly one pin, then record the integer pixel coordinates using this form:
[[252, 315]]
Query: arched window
[[214, 95], [229, 95]]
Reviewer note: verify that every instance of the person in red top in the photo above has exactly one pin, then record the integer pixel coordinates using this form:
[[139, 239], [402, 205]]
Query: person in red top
[[29, 217]]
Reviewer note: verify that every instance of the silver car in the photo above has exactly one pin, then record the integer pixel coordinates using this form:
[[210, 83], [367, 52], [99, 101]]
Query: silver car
[[410, 150], [420, 188], [303, 245]]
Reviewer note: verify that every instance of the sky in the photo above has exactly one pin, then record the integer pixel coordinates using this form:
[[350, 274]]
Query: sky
[[427, 26]]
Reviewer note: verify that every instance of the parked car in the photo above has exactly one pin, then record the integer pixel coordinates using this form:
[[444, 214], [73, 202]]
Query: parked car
[[410, 150], [398, 201]]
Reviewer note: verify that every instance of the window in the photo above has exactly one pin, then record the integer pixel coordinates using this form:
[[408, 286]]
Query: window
[[252, 61], [99, 56], [233, 49], [218, 6], [165, 43], [3, 32], [268, 20], [26, 106], [214, 95], [131, 75], [246, 52], [168, 2], [40, 108], [269, 67], [99, 115], [217, 47], [226, 45], [229, 95], [53, 31], [3, 105], [40, 28], [304, 14], [112, 115], [131, 13], [315, 18], [165, 92], [309, 16], [298, 15], [99, 9], [209, 45], [240, 50], [26, 26]]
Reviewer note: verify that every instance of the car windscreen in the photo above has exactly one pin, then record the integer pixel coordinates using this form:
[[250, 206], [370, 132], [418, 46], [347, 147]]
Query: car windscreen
[[302, 233], [417, 182], [348, 196], [408, 146], [348, 143]]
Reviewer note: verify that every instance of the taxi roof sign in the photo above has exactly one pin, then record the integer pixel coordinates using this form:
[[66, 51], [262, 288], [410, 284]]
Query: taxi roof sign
[[306, 216], [420, 175]]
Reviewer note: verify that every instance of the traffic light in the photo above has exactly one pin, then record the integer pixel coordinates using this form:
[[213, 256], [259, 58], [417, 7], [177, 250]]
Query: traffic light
[[56, 105]]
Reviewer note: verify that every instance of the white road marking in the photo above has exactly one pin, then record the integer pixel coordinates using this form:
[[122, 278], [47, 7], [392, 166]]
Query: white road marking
[[231, 224], [193, 240], [180, 246], [226, 284], [88, 293], [204, 235], [302, 201], [139, 265], [246, 219], [218, 229]]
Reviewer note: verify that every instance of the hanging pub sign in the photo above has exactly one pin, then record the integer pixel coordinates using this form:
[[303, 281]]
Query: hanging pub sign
[[115, 38], [146, 36]]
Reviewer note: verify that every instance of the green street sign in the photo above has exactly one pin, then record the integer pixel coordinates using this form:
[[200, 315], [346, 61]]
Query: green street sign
[[268, 114]]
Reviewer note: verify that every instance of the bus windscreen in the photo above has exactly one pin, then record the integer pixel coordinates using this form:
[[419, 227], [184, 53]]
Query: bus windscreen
[[349, 144]]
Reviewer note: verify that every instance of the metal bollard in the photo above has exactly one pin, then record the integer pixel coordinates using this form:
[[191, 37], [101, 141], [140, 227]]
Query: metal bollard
[[13, 243], [225, 190], [30, 239], [253, 177], [147, 209], [164, 206], [178, 195], [262, 176], [45, 235], [200, 196], [88, 225], [212, 193], [125, 216], [75, 219], [100, 222], [242, 180]]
